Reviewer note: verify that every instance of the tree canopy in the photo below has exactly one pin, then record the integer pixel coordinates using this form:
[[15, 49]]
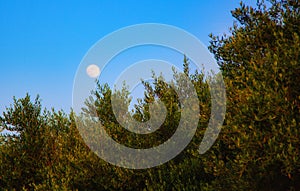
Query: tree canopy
[[257, 149]]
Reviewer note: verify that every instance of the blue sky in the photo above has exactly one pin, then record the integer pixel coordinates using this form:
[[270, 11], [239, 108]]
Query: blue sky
[[43, 42]]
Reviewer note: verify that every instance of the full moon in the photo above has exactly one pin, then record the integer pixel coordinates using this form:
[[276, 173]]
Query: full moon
[[93, 71]]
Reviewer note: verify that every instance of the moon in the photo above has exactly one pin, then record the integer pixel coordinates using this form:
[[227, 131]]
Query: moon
[[93, 71]]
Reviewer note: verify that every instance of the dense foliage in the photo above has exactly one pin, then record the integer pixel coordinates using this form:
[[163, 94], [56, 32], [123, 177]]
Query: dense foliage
[[259, 145], [258, 148]]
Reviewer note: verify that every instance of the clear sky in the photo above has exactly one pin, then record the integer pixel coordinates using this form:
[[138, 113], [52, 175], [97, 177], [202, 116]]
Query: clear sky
[[43, 41]]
